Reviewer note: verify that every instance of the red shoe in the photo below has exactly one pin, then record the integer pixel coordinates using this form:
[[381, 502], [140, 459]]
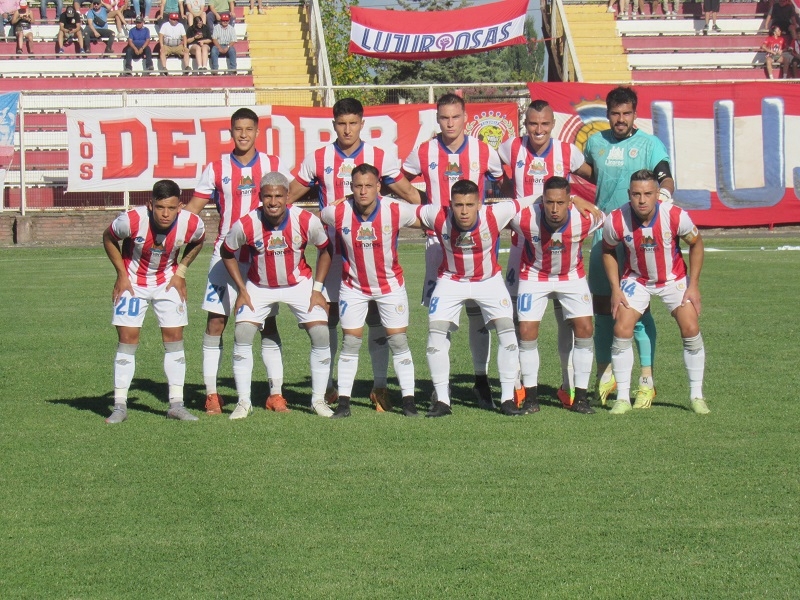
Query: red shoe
[[277, 403], [214, 404], [565, 397], [519, 396]]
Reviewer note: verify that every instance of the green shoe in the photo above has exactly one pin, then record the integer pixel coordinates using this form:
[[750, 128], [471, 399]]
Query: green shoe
[[620, 407], [699, 406], [603, 390], [644, 397]]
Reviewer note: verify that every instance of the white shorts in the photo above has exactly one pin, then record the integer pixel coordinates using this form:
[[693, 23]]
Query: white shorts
[[220, 295], [513, 266], [489, 295], [392, 308], [334, 279], [167, 304], [265, 302], [638, 295], [433, 260], [576, 301]]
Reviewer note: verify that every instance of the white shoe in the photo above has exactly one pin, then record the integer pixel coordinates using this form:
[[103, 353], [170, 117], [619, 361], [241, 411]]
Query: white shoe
[[610, 9], [321, 407], [242, 410], [250, 12]]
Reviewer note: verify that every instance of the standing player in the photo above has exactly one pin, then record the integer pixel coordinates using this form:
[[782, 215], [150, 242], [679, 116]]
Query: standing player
[[278, 236], [231, 183], [468, 233], [552, 232], [650, 232], [614, 156], [533, 158], [449, 157], [366, 229], [148, 273], [329, 168]]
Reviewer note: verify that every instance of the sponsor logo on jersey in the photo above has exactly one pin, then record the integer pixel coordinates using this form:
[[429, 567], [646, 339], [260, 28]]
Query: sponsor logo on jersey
[[491, 127], [139, 240], [616, 157], [366, 234], [276, 242], [346, 230]]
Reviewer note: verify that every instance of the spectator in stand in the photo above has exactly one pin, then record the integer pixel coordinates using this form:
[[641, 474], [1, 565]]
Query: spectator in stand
[[217, 8], [69, 29], [138, 47], [137, 8], [172, 42], [774, 46], [670, 14], [261, 9], [199, 38], [43, 8], [195, 9], [97, 27], [21, 22], [170, 7], [783, 14], [115, 10], [791, 58], [710, 11], [223, 39]]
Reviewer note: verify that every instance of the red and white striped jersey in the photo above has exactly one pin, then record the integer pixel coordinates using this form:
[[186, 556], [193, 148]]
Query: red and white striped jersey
[[530, 170], [440, 168], [234, 188], [552, 255], [652, 253], [151, 257], [329, 169], [469, 255], [277, 252], [368, 245]]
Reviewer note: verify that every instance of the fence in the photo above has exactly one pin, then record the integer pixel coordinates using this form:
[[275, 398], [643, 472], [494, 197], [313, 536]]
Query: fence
[[37, 177]]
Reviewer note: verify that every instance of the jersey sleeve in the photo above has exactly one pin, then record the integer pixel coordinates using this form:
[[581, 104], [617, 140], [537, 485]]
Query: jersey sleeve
[[494, 168], [316, 232], [658, 152], [283, 170], [199, 232], [587, 150], [504, 151], [610, 238], [597, 223], [427, 214], [328, 215], [685, 224], [205, 187], [515, 223], [411, 164], [236, 237], [391, 171], [120, 227], [408, 214], [307, 175], [504, 211], [576, 158]]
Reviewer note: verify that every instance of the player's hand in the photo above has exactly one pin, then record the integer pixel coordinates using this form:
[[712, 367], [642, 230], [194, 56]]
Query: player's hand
[[692, 296], [243, 299], [318, 299], [179, 283], [617, 299], [586, 208], [122, 285], [338, 201]]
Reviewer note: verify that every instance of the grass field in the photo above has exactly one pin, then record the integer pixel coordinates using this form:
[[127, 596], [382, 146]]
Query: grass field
[[654, 504]]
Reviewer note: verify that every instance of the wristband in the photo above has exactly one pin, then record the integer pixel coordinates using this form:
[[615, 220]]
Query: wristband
[[318, 285], [181, 271], [665, 196]]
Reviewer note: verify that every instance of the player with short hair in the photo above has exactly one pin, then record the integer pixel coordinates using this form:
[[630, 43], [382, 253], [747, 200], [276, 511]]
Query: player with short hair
[[277, 236], [449, 157], [468, 232], [552, 267], [614, 155], [650, 231], [230, 182], [367, 227], [148, 273], [329, 169], [534, 158]]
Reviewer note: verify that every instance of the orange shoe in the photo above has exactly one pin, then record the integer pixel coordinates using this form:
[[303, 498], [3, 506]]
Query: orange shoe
[[214, 404], [519, 396], [277, 403], [380, 398], [565, 397]]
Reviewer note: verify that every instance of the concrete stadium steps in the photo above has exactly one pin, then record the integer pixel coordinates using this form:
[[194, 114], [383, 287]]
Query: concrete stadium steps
[[700, 75], [597, 45], [706, 43], [655, 27], [138, 82], [100, 66], [281, 53]]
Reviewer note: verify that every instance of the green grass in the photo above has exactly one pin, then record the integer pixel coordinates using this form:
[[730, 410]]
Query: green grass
[[655, 504]]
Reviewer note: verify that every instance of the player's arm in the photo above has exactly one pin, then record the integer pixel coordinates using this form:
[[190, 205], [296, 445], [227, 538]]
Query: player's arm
[[324, 259], [123, 282], [611, 266], [585, 171], [665, 181], [696, 255], [402, 188], [178, 280], [586, 208], [296, 191], [232, 265]]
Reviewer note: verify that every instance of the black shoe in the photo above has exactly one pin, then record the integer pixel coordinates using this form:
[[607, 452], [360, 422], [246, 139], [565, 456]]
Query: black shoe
[[342, 409], [531, 404], [581, 406], [409, 408], [509, 408], [439, 409], [483, 393]]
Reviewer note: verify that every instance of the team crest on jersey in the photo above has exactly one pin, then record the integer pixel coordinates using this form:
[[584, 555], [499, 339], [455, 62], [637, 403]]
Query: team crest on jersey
[[648, 244], [667, 236], [486, 237], [400, 308], [366, 234], [558, 169], [633, 152], [505, 303], [297, 239], [474, 166], [181, 308], [346, 170], [464, 240], [387, 229], [491, 127], [246, 184], [538, 168], [453, 170], [276, 242], [681, 286], [556, 245], [586, 298]]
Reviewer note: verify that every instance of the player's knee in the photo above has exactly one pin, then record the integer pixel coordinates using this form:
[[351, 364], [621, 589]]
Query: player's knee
[[693, 344], [173, 346], [351, 344], [318, 334], [244, 333], [620, 345], [583, 328], [398, 342]]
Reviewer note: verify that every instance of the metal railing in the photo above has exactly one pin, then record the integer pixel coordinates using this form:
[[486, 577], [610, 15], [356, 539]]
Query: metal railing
[[324, 79], [562, 46]]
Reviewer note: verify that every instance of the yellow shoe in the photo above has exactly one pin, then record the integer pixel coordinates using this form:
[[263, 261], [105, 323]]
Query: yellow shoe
[[620, 407], [603, 390], [644, 397], [699, 406]]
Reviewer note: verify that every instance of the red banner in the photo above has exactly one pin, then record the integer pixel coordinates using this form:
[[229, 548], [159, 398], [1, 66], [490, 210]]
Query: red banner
[[416, 35], [734, 148], [130, 149]]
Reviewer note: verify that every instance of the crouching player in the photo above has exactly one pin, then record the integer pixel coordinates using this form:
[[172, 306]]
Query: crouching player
[[468, 233], [366, 228], [277, 236], [552, 267], [148, 273], [650, 233]]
